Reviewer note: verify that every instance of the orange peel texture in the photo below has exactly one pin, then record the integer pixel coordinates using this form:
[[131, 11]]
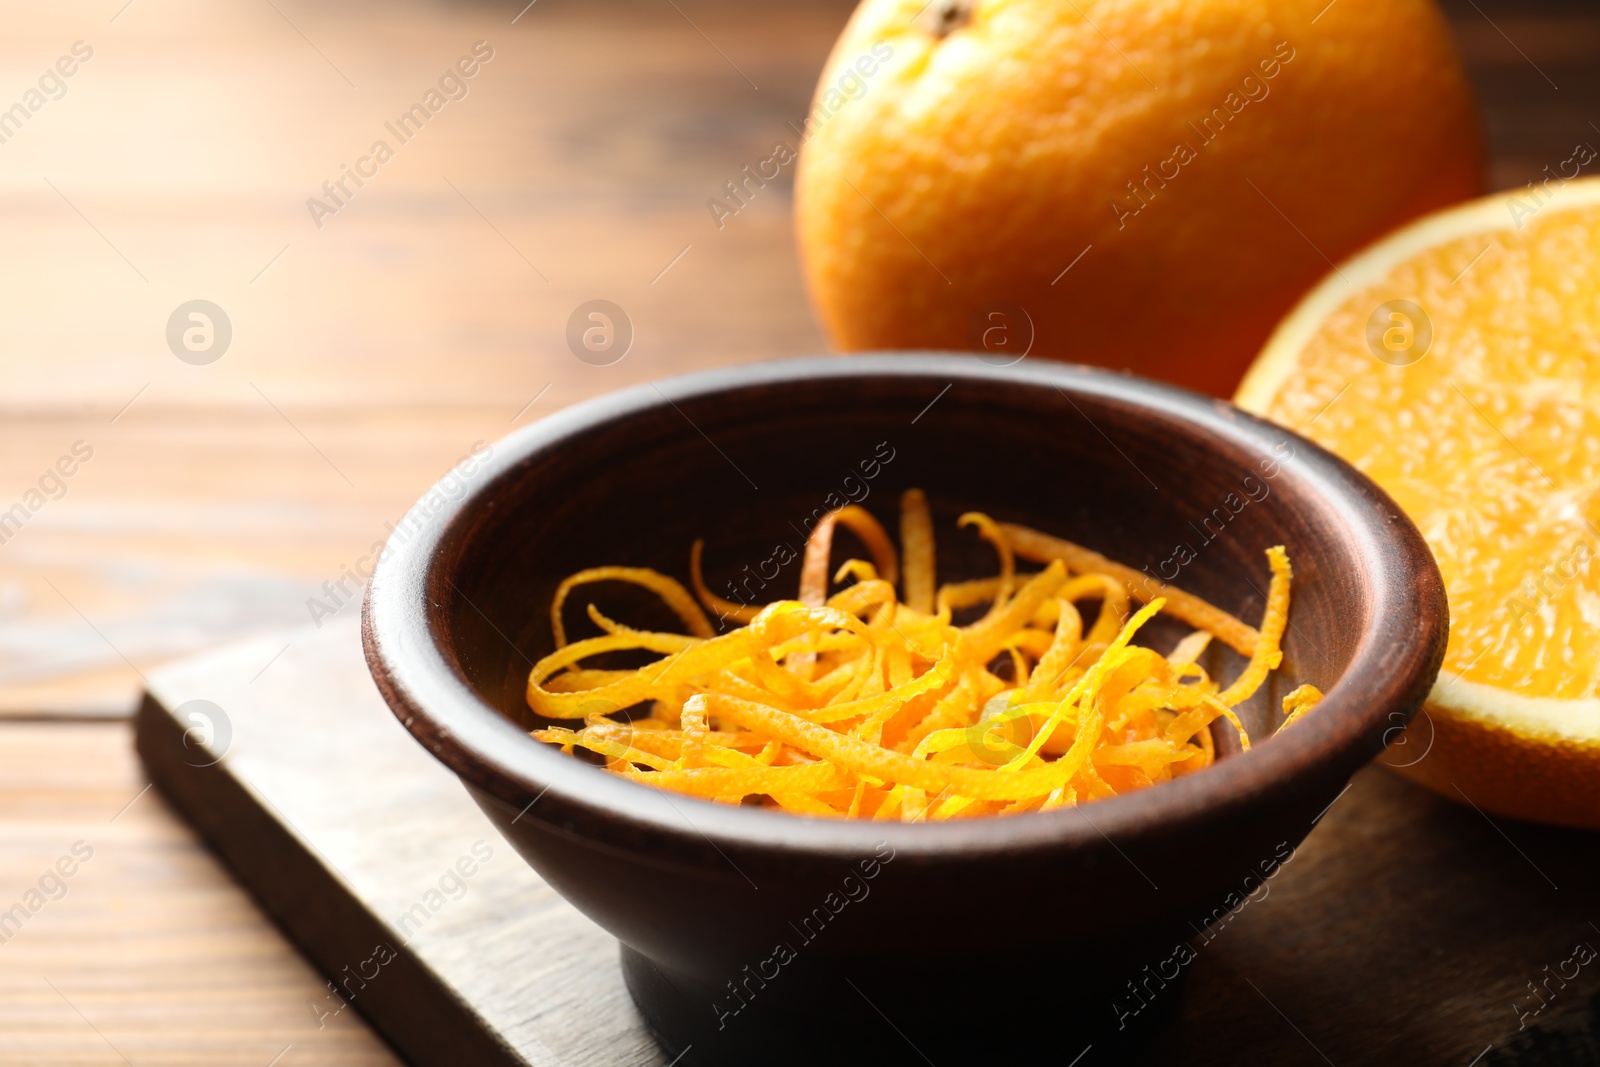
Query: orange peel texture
[[868, 701]]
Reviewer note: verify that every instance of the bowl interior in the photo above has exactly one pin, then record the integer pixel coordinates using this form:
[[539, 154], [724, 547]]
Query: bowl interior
[[1131, 470]]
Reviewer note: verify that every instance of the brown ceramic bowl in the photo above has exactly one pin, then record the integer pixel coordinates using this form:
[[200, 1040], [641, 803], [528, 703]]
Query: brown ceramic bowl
[[751, 929]]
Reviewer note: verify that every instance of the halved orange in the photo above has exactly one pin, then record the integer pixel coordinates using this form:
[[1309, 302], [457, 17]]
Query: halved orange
[[1457, 363]]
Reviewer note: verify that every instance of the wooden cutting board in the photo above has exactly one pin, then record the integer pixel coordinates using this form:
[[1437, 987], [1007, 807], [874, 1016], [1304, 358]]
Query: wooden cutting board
[[1406, 930]]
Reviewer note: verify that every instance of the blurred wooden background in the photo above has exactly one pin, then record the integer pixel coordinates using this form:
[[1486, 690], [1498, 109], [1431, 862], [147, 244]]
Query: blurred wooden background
[[367, 356]]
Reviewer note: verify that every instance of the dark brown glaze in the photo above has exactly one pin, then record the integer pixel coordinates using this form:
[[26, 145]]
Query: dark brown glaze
[[698, 892]]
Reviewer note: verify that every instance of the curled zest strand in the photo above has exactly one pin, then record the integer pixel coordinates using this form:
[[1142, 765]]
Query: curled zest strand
[[674, 595], [724, 609], [917, 546], [1041, 548]]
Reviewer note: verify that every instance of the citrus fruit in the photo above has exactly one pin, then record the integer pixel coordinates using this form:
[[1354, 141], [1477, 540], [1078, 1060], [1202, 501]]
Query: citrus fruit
[[1457, 363], [1146, 185]]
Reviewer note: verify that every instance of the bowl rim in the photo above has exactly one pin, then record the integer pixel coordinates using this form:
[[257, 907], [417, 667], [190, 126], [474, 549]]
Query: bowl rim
[[1396, 656]]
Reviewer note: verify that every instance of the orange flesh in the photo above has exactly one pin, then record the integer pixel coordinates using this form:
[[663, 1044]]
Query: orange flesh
[[1490, 442]]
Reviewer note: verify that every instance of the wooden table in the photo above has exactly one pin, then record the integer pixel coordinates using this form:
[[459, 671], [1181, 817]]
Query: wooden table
[[367, 355]]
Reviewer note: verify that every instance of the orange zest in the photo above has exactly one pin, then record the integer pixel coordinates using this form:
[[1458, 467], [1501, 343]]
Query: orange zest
[[871, 702]]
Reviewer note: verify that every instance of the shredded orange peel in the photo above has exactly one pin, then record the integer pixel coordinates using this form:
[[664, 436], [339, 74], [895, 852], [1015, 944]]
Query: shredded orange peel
[[862, 704]]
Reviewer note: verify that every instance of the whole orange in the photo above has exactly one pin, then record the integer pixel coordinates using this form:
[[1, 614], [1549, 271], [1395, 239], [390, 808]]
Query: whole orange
[[1148, 185]]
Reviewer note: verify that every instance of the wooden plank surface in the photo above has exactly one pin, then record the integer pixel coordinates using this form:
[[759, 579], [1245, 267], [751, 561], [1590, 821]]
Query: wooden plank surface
[[148, 952], [371, 855], [368, 355], [427, 314], [1405, 930]]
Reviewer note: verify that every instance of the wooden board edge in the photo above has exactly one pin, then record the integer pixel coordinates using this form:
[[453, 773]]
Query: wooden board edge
[[408, 1004]]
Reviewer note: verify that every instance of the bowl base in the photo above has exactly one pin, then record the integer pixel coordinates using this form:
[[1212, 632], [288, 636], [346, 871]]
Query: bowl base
[[954, 1030]]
